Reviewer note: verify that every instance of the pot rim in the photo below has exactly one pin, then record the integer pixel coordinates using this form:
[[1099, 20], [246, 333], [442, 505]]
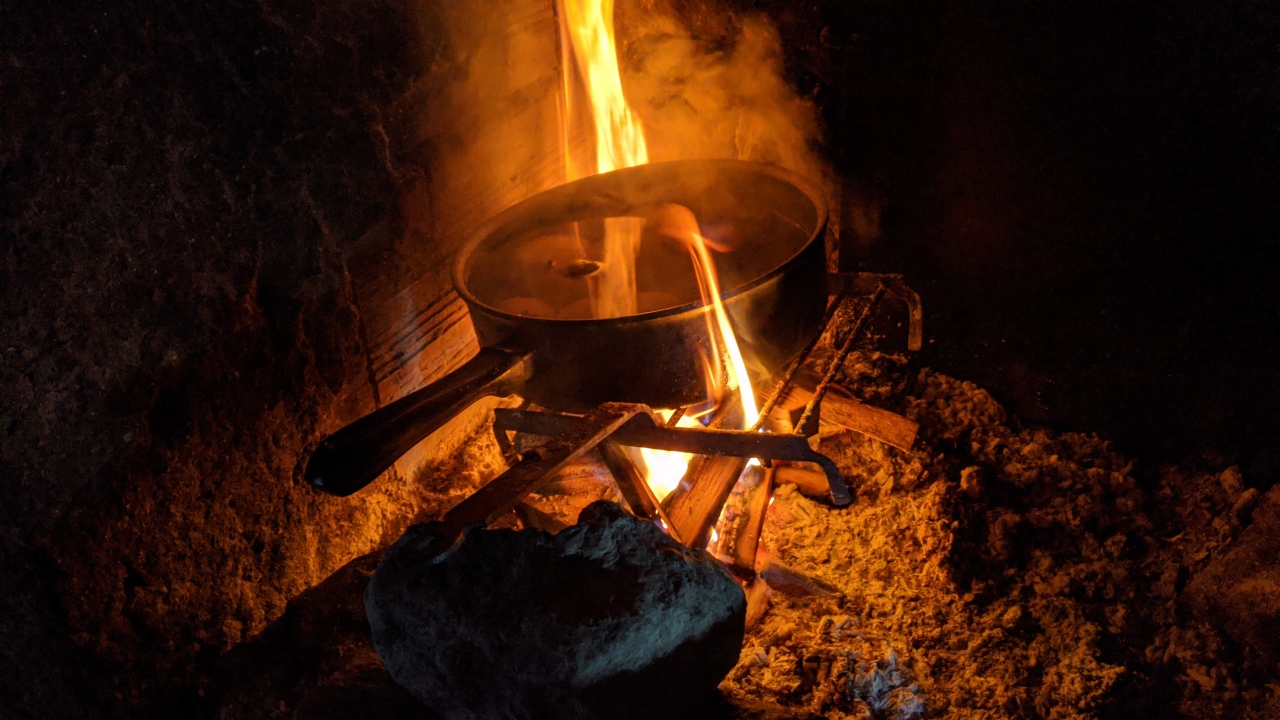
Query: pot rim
[[508, 216]]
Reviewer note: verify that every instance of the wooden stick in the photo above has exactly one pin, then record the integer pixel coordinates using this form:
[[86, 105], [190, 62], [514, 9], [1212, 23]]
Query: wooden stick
[[696, 502], [748, 541], [794, 583], [500, 494], [842, 409], [709, 481], [809, 481], [757, 600], [635, 490]]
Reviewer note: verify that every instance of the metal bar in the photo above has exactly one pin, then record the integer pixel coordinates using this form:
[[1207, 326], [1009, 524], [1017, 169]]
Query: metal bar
[[500, 495], [779, 389], [865, 283], [642, 430], [845, 348]]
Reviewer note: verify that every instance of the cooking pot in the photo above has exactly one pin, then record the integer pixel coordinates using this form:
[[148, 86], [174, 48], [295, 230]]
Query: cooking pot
[[526, 276]]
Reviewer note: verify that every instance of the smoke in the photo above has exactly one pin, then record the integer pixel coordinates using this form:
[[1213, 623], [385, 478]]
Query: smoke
[[717, 91]]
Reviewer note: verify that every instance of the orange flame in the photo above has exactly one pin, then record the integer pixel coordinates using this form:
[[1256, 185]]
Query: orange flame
[[619, 137], [665, 469], [620, 143], [677, 222]]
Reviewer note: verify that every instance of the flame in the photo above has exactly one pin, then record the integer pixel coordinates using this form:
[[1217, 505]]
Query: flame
[[678, 223], [620, 142], [619, 136], [663, 469], [738, 377]]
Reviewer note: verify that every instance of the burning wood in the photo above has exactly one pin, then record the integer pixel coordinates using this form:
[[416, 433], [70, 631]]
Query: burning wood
[[631, 483], [709, 482], [697, 501], [752, 523]]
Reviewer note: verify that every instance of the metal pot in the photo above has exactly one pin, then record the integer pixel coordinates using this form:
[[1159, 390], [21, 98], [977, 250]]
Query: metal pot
[[774, 283]]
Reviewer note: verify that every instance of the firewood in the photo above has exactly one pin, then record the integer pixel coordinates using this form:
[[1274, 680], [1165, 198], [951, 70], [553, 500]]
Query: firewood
[[792, 582], [696, 504], [501, 494], [841, 408], [635, 490], [810, 481], [748, 541], [758, 593]]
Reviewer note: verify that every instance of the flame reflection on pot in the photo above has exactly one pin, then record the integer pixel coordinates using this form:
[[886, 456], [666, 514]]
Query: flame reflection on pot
[[620, 142]]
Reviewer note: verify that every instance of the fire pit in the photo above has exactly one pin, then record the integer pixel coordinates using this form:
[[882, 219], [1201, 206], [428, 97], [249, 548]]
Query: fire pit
[[634, 311]]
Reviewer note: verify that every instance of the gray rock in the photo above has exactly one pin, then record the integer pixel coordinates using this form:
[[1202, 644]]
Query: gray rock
[[609, 618]]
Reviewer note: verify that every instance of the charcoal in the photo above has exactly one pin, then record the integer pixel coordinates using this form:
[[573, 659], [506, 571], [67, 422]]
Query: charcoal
[[608, 618]]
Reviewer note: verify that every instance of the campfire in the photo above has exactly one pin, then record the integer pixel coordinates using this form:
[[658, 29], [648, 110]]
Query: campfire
[[546, 358], [613, 307]]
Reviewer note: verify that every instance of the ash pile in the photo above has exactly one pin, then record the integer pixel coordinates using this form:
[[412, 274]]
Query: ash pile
[[1004, 571]]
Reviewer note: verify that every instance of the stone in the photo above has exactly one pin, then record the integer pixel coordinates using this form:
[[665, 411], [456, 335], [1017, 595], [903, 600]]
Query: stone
[[608, 618]]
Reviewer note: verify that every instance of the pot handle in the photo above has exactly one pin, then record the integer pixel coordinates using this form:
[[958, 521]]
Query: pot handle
[[356, 455]]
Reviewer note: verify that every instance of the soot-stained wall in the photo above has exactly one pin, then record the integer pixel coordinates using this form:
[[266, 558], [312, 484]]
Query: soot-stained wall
[[219, 221]]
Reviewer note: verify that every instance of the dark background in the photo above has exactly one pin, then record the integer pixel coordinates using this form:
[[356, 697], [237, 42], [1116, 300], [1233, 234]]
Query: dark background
[[1085, 195]]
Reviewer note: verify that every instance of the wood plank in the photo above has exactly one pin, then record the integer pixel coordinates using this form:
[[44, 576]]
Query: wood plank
[[841, 408], [709, 480], [748, 540]]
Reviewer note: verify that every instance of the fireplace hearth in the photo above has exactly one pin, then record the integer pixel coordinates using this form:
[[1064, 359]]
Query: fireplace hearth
[[230, 231]]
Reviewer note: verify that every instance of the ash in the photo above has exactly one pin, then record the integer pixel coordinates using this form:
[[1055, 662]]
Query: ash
[[1000, 571]]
